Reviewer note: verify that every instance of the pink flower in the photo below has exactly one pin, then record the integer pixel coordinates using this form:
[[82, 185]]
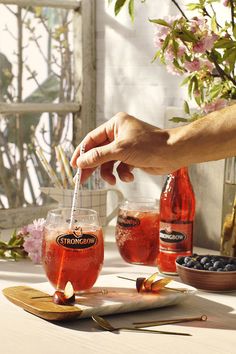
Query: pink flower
[[33, 242], [161, 31], [192, 65], [226, 3], [169, 54], [181, 51], [197, 24], [215, 105], [158, 42], [205, 44]]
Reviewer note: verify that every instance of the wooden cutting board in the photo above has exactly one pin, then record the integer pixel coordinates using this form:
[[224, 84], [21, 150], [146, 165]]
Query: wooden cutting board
[[40, 304], [111, 295]]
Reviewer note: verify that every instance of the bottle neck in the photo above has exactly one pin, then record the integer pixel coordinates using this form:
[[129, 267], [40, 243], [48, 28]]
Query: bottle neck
[[181, 172]]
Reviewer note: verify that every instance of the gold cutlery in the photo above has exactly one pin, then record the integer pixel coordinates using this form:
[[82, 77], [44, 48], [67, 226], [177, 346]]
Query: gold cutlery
[[103, 323], [171, 321]]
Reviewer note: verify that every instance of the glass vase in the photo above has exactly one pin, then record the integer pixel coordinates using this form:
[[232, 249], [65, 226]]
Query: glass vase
[[228, 234]]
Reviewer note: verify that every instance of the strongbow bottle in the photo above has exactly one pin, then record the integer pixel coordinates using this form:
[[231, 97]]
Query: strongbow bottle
[[177, 209]]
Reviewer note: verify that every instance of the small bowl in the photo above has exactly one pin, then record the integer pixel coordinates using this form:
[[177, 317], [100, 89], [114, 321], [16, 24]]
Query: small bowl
[[207, 280]]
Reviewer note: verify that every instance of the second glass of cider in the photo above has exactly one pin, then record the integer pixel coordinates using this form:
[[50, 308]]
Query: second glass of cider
[[137, 231]]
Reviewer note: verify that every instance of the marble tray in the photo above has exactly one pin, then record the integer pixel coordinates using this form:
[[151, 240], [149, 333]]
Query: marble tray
[[110, 295]]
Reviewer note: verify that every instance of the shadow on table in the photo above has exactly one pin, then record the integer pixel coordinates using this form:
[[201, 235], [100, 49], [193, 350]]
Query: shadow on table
[[22, 271], [219, 316]]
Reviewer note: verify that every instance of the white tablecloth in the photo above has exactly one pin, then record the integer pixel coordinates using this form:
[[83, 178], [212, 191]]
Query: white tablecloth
[[23, 333]]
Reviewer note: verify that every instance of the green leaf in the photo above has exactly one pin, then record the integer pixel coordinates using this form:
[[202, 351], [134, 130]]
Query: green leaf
[[214, 23], [186, 107], [234, 32], [186, 80], [160, 22], [156, 56], [185, 35], [231, 60], [118, 6], [225, 43], [198, 100], [215, 91], [176, 64], [131, 9], [190, 87], [190, 35], [175, 47], [178, 119], [165, 43], [193, 6]]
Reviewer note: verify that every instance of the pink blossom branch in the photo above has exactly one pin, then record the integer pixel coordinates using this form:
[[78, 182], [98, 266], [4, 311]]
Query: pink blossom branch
[[232, 12], [179, 8]]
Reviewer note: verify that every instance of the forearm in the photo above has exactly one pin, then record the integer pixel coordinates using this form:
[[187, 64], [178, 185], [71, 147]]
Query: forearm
[[210, 138]]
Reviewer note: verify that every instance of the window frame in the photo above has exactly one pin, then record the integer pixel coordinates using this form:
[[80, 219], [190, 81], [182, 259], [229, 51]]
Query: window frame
[[84, 106]]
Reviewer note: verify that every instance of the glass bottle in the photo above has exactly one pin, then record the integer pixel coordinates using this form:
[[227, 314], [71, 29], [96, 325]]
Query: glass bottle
[[177, 210]]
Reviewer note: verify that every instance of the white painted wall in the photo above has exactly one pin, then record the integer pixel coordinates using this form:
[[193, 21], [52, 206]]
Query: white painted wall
[[126, 78], [128, 81]]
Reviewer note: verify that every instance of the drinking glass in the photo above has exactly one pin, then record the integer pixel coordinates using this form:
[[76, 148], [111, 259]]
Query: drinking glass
[[72, 254], [137, 231]]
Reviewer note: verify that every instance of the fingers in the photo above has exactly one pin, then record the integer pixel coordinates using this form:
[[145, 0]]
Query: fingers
[[107, 172], [86, 174], [101, 135], [97, 156], [124, 172]]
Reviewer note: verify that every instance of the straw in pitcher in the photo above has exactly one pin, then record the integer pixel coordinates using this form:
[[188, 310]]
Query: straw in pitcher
[[48, 168]]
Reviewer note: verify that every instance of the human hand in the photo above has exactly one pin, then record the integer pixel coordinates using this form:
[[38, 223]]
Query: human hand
[[131, 142]]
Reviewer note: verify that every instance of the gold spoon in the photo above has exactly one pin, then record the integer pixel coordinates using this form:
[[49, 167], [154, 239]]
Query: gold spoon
[[108, 327]]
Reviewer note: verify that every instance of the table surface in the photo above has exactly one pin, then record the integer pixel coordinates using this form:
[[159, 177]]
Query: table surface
[[21, 332]]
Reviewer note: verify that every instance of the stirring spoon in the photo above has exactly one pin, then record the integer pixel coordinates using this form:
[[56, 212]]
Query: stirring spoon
[[108, 327]]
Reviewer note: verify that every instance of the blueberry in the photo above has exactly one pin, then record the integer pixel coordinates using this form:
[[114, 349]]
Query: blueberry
[[187, 259], [230, 267], [191, 264], [205, 260], [232, 261], [220, 269], [211, 269], [198, 266], [198, 258], [206, 266], [218, 264], [180, 260], [213, 259]]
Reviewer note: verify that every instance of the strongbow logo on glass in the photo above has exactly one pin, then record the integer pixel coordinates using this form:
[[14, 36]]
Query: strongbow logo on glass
[[74, 241]]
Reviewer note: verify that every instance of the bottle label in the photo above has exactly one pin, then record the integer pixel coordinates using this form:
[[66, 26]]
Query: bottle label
[[176, 237]]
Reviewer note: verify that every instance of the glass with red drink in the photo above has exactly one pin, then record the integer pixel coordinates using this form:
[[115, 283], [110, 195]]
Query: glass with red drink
[[137, 231], [76, 254]]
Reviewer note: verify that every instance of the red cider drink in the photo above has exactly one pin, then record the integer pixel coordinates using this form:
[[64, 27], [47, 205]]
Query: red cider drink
[[73, 255], [137, 231]]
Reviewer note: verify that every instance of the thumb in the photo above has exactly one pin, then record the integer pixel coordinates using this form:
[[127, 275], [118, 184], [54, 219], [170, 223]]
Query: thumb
[[97, 156]]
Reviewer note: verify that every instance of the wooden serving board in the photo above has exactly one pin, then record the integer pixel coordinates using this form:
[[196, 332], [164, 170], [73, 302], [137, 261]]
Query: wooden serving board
[[40, 304], [110, 295]]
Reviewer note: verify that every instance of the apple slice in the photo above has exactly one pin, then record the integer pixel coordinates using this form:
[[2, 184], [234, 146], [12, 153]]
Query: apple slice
[[64, 298]]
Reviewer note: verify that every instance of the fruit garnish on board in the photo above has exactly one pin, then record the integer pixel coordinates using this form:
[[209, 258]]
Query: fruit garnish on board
[[64, 298], [153, 284]]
